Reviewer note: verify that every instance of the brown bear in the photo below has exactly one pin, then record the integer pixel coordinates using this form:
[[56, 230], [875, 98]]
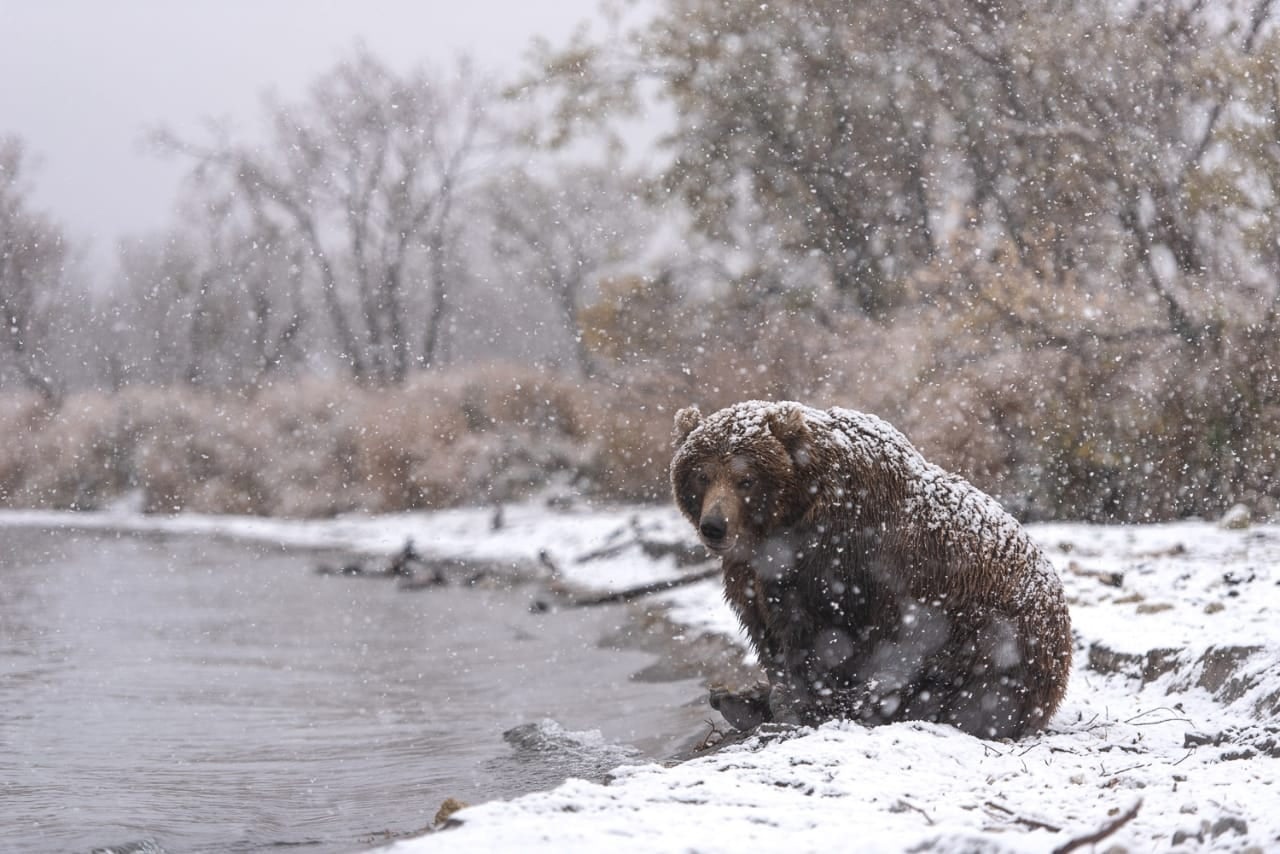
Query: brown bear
[[873, 585]]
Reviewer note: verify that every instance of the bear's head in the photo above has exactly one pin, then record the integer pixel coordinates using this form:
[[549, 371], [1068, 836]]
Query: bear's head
[[742, 474]]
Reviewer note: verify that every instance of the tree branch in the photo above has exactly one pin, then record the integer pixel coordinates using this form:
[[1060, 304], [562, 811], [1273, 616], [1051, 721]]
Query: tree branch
[[1101, 833]]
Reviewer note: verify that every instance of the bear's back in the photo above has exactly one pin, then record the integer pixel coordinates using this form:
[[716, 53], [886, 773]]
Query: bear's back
[[970, 527]]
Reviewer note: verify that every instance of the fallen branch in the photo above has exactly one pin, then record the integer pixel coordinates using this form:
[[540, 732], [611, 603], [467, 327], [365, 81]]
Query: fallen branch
[[611, 550], [1115, 775], [403, 565], [903, 805], [1017, 819], [633, 593], [685, 554], [1172, 715], [1101, 833]]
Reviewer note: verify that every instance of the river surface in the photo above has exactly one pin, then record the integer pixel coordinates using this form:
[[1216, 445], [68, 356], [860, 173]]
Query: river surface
[[215, 696]]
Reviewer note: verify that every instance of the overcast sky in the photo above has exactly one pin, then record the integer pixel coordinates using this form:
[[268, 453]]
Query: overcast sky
[[81, 81]]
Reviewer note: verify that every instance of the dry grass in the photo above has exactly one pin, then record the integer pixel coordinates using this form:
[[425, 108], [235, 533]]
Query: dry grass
[[1097, 432], [312, 449]]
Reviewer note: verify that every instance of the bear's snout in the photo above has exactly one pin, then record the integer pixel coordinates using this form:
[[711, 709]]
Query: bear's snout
[[713, 527], [718, 522]]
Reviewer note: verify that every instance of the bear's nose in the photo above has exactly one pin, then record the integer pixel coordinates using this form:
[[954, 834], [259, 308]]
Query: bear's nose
[[714, 527]]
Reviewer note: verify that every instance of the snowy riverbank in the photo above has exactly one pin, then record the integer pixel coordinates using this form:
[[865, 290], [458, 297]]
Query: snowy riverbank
[[1168, 739]]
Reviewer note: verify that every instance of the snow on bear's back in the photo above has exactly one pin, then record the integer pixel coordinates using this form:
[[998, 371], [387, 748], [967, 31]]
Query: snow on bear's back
[[946, 504], [935, 499]]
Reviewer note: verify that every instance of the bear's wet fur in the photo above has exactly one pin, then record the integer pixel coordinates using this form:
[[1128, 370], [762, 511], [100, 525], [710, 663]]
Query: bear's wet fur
[[873, 585]]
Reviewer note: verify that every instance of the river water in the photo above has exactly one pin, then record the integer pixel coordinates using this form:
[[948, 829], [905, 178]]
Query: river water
[[216, 696]]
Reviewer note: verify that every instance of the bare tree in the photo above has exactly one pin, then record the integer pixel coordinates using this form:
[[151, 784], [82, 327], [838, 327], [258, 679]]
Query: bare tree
[[210, 301], [563, 232], [33, 259], [360, 183], [810, 114]]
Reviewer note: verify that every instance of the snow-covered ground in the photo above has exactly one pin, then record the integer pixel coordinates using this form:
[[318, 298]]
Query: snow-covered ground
[[1169, 738]]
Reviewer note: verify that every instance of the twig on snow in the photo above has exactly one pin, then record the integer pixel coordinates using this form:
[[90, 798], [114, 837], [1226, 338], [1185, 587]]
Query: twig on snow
[[904, 805], [1101, 833], [1017, 819], [715, 733], [1172, 712]]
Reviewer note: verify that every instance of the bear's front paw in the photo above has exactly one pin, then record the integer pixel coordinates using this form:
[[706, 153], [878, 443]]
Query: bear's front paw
[[789, 706], [744, 710]]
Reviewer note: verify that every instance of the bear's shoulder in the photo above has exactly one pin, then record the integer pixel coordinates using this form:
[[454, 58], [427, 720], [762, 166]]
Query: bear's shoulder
[[868, 442], [970, 520]]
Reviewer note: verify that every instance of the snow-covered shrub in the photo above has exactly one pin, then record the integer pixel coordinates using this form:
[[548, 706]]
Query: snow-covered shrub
[[1143, 428], [22, 415], [313, 448], [73, 457]]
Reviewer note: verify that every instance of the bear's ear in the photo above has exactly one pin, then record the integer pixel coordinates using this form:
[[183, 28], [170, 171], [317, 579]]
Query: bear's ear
[[687, 420], [789, 428]]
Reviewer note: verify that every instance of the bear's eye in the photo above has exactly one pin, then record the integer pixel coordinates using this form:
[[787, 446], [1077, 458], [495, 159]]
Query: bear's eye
[[746, 483], [702, 478]]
